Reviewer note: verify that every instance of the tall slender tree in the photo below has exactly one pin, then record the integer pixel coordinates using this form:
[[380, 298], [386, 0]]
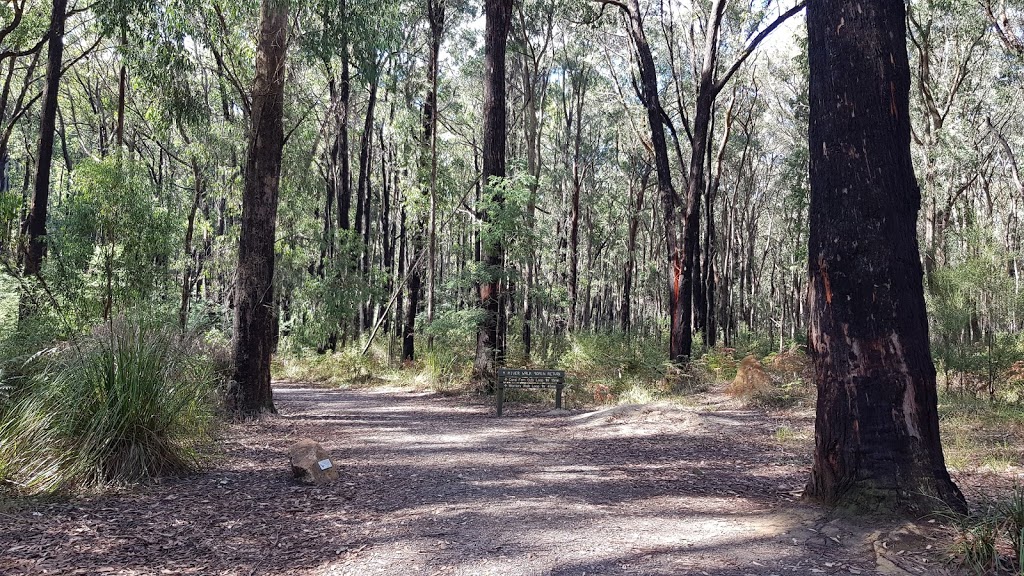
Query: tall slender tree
[[877, 427], [35, 224], [249, 393], [679, 325], [498, 14], [436, 19]]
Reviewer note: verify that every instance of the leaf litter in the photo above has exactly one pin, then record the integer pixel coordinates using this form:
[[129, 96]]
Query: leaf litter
[[437, 485]]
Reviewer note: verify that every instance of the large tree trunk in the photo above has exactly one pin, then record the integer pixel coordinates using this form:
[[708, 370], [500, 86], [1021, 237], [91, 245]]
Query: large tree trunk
[[249, 393], [498, 15], [707, 91], [35, 225], [877, 430]]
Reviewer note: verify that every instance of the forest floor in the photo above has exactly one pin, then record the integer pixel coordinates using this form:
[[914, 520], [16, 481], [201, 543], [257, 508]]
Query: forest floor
[[437, 485]]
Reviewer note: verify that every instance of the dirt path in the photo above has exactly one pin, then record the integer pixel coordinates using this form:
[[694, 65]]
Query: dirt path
[[438, 486]]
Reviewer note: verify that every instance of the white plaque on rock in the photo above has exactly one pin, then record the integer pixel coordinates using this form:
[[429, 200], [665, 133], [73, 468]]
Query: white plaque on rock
[[325, 464]]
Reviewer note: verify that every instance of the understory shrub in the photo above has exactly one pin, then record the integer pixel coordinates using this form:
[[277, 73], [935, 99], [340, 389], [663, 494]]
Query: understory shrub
[[125, 403], [344, 367], [613, 367]]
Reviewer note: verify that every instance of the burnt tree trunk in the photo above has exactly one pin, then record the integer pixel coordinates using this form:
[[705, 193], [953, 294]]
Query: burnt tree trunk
[[249, 392], [35, 224], [679, 334], [414, 285], [341, 165], [877, 429], [498, 14]]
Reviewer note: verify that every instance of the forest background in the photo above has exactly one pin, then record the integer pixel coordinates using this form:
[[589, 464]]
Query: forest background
[[386, 228]]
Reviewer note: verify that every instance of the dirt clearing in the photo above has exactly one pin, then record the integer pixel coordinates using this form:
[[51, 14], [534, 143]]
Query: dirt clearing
[[439, 486]]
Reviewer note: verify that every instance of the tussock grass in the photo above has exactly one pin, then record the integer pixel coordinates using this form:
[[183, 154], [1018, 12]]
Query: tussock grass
[[126, 403], [989, 539]]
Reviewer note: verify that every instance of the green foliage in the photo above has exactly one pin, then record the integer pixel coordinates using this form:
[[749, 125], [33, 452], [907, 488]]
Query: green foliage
[[505, 202], [608, 366], [8, 304], [973, 304], [748, 342], [344, 368], [112, 242], [720, 362], [130, 401], [446, 365], [975, 544], [328, 300]]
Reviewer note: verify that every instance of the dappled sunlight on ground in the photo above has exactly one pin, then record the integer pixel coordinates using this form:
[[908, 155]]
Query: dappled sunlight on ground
[[439, 486]]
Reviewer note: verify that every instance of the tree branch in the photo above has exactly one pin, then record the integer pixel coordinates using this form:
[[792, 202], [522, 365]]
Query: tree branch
[[753, 46]]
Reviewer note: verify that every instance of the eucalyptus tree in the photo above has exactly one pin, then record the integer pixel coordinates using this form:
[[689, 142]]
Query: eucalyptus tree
[[533, 32], [498, 20], [877, 427], [249, 393], [35, 223], [948, 41], [710, 81], [438, 17]]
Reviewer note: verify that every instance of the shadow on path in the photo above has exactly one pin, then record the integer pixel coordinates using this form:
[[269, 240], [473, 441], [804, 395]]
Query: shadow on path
[[433, 485]]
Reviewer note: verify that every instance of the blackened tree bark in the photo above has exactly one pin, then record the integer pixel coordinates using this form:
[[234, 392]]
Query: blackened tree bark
[[707, 92], [679, 332], [414, 285], [341, 166], [249, 393], [573, 100], [498, 15], [35, 224], [709, 326], [877, 430]]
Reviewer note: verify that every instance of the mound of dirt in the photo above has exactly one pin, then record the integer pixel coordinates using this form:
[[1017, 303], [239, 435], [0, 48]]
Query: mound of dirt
[[660, 413]]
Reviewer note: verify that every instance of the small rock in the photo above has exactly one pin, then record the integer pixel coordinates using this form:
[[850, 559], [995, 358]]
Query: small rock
[[311, 464]]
